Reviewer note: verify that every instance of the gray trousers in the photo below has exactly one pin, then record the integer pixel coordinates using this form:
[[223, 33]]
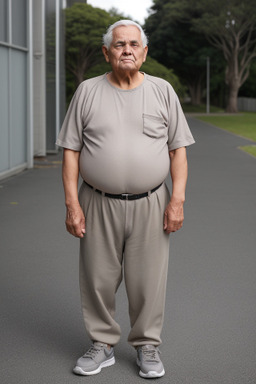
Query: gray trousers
[[124, 238]]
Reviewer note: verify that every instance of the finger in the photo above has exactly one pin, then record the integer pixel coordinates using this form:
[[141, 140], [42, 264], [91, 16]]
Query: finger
[[176, 227], [80, 232], [165, 221], [83, 226], [74, 231]]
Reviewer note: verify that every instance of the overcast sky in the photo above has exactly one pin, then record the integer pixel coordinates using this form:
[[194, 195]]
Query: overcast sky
[[137, 9]]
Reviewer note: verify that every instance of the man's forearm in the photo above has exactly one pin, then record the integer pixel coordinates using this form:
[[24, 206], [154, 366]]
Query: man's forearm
[[179, 174], [75, 220], [70, 174], [174, 214]]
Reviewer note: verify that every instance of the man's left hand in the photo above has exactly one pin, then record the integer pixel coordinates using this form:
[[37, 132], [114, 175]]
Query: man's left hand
[[173, 216]]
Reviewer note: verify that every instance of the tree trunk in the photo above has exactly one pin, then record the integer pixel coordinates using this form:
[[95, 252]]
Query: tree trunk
[[195, 90], [233, 81], [79, 76], [232, 98]]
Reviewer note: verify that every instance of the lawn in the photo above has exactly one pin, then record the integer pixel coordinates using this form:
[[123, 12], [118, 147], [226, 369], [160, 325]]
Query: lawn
[[251, 149], [188, 108], [242, 124]]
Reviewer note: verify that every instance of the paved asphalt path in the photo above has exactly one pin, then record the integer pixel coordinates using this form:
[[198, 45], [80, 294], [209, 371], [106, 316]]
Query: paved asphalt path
[[209, 335]]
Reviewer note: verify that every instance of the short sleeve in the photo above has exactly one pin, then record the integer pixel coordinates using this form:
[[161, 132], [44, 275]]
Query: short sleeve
[[71, 133], [179, 134]]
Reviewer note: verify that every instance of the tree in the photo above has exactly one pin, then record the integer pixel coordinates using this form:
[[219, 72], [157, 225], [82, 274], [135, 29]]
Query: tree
[[248, 89], [175, 45], [114, 12], [85, 26], [154, 68], [229, 26]]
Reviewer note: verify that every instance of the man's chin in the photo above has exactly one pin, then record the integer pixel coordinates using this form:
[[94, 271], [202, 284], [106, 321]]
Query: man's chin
[[128, 65]]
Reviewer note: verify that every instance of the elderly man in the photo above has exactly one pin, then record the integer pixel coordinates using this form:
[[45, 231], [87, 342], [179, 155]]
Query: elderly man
[[123, 132]]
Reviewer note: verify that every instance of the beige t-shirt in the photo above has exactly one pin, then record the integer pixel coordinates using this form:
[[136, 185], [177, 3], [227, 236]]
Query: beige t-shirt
[[124, 135]]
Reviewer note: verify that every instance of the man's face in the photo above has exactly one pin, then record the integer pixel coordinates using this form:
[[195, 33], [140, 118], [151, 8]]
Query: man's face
[[126, 52]]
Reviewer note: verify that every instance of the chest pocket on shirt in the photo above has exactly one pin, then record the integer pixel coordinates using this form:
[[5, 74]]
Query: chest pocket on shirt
[[154, 126]]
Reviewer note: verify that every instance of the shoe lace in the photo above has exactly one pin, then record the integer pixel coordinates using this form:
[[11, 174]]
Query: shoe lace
[[93, 351], [151, 354]]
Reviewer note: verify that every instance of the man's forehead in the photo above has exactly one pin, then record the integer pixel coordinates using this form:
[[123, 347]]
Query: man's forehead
[[123, 32]]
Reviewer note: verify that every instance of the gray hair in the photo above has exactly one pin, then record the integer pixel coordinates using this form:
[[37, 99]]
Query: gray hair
[[108, 36]]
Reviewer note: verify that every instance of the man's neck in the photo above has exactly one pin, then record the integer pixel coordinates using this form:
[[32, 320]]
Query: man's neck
[[126, 80]]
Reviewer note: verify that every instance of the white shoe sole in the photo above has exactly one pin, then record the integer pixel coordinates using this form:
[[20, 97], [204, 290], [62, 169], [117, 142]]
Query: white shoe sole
[[79, 371], [150, 374]]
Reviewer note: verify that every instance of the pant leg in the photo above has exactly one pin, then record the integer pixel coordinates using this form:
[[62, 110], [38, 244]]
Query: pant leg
[[145, 266], [101, 252]]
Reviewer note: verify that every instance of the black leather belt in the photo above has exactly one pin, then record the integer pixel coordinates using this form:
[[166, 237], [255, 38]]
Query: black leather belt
[[125, 196]]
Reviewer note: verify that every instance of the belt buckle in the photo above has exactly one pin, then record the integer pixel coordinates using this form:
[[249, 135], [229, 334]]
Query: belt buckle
[[125, 196]]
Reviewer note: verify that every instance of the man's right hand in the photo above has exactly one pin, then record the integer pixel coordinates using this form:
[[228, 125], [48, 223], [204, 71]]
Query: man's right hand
[[75, 221]]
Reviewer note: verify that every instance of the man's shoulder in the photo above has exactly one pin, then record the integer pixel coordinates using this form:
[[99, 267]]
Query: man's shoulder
[[158, 81], [163, 85], [88, 86], [90, 83]]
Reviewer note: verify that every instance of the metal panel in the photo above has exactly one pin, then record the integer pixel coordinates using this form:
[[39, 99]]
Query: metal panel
[[50, 9], [3, 20], [18, 107], [39, 90], [19, 22], [4, 122]]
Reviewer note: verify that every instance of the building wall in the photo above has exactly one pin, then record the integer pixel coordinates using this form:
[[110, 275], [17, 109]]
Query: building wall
[[55, 70], [39, 88], [51, 110], [13, 85], [32, 84]]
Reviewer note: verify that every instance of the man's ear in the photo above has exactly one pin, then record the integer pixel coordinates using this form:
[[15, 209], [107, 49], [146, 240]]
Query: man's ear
[[145, 53], [105, 53]]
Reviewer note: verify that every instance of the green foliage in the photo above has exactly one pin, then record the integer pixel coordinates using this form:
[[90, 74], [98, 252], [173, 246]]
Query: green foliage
[[114, 12], [85, 26], [251, 149], [185, 26], [174, 43], [200, 109], [97, 70], [226, 18], [230, 26], [249, 87], [152, 67]]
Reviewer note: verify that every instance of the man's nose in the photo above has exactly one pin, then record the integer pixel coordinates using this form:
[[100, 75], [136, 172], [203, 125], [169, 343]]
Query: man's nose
[[127, 49]]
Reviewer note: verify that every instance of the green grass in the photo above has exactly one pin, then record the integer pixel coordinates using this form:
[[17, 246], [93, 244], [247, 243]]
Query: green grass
[[251, 149], [189, 108], [242, 124]]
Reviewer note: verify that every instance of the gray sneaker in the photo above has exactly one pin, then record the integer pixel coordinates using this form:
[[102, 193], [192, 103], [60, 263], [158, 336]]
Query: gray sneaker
[[149, 362], [97, 357]]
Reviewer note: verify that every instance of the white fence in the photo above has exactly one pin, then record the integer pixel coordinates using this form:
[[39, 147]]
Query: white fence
[[246, 104]]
